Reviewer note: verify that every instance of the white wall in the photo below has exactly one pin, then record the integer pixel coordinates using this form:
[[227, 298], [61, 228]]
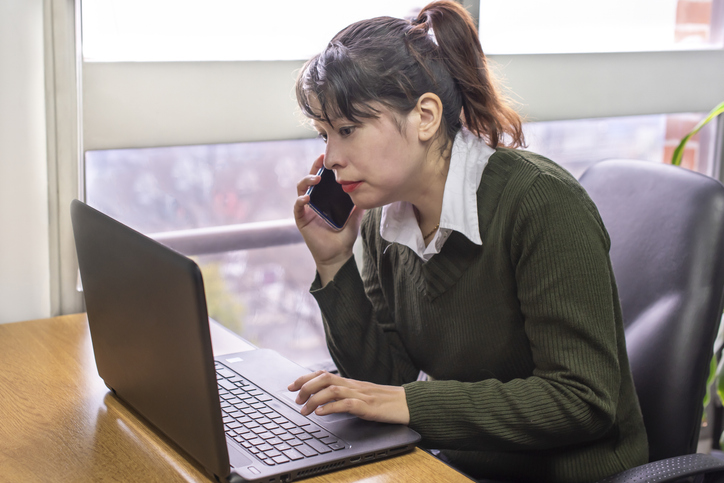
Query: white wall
[[24, 259]]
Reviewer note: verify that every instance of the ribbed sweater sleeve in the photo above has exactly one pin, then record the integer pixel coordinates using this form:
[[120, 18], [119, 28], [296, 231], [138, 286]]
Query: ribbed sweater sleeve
[[361, 335], [559, 250]]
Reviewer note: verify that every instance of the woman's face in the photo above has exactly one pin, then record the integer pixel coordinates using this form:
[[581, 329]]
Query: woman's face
[[373, 161]]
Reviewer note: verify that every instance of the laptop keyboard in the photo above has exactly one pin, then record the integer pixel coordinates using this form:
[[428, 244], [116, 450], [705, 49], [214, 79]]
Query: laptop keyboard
[[270, 430]]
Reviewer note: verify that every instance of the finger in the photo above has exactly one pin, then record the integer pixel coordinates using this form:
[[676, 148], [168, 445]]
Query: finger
[[317, 384], [306, 182], [300, 207], [317, 165], [329, 395], [300, 381], [348, 405]]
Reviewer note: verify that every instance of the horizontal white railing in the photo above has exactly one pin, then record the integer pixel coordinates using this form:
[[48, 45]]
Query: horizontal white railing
[[228, 238]]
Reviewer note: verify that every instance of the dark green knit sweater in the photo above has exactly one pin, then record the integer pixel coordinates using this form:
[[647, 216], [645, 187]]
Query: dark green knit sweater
[[523, 335]]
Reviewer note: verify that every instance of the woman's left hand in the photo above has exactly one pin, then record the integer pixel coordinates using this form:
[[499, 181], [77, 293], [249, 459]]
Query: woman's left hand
[[326, 393]]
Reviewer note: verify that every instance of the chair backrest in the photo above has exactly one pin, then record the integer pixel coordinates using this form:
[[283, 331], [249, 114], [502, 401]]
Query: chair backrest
[[667, 249]]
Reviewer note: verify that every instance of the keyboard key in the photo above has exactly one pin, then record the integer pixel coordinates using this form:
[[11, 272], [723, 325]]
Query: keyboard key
[[275, 441], [286, 436], [228, 385], [290, 427], [265, 447], [272, 453], [311, 427], [281, 432], [293, 454], [294, 430], [294, 442], [320, 434], [304, 436], [224, 372], [282, 447], [318, 446], [337, 446], [306, 450], [281, 459]]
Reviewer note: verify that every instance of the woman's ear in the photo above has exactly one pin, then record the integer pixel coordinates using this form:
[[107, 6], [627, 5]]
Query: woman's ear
[[429, 110]]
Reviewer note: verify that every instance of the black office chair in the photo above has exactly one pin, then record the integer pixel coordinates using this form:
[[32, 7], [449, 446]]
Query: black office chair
[[667, 248]]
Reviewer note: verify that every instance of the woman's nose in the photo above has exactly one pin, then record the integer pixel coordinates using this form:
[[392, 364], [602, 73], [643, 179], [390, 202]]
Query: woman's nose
[[333, 158]]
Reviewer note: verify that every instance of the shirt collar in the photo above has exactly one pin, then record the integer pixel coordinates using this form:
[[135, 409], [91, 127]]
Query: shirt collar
[[398, 223]]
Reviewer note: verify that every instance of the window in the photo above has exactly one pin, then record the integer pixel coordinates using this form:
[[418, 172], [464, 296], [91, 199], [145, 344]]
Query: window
[[217, 181], [578, 144], [184, 30], [566, 26], [263, 293]]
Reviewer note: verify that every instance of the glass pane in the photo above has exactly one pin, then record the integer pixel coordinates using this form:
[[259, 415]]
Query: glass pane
[[564, 26], [185, 30], [263, 295], [577, 144], [183, 187]]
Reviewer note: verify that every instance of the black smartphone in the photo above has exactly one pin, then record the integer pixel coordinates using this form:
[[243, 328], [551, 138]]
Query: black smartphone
[[329, 201]]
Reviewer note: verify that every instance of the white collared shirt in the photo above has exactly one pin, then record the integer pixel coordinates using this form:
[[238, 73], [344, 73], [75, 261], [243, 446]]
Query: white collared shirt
[[398, 223]]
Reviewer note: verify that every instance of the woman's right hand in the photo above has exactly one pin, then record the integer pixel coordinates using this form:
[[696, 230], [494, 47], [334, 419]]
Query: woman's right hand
[[330, 248]]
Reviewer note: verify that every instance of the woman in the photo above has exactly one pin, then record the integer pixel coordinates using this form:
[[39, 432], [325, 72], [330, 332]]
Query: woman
[[486, 267]]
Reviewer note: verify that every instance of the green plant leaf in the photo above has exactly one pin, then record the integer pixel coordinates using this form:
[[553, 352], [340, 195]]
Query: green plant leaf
[[679, 151], [713, 374]]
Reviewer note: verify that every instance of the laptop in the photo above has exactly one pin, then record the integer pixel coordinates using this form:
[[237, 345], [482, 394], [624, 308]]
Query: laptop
[[232, 414]]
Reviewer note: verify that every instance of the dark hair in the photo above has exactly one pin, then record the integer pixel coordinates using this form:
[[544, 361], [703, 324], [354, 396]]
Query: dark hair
[[393, 62]]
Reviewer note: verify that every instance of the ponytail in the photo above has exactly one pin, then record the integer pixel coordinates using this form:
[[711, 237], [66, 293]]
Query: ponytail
[[393, 62], [484, 111]]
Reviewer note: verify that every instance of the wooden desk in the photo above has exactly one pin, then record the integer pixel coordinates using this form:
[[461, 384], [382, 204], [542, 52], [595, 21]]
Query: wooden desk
[[59, 422]]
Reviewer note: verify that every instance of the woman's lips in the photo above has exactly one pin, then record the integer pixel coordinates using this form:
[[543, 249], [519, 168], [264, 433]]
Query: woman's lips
[[350, 186]]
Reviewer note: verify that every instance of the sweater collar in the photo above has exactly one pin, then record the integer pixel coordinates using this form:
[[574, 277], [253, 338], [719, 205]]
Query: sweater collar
[[469, 157]]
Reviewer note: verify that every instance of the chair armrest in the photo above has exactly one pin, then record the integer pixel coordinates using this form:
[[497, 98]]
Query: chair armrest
[[671, 470]]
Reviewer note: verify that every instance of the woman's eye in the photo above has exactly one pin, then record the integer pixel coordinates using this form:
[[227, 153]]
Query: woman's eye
[[323, 136], [346, 131]]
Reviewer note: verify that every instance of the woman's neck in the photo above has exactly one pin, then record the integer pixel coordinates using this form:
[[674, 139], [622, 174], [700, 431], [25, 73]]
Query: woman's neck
[[428, 203]]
